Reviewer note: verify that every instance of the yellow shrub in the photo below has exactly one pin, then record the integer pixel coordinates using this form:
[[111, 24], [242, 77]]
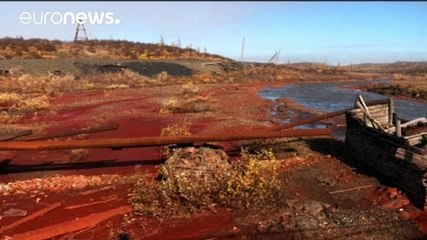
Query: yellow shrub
[[77, 155], [169, 105], [31, 104], [10, 98], [256, 181], [189, 89], [194, 178], [176, 130]]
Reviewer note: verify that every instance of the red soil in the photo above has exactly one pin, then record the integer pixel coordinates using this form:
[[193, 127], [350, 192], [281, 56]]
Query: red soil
[[138, 116], [137, 113]]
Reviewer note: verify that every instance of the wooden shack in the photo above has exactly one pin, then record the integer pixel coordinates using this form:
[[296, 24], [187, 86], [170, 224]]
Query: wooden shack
[[391, 149]]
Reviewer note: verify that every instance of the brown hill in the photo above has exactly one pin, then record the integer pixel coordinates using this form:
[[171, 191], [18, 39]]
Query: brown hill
[[411, 68], [19, 48]]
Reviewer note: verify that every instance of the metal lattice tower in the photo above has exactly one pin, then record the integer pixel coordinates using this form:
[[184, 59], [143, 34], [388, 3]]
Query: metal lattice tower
[[79, 31]]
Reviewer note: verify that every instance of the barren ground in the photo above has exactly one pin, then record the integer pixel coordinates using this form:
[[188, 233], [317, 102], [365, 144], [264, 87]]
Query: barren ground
[[85, 195]]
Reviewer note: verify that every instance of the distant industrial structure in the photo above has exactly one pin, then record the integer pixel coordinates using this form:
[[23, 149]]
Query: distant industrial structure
[[81, 34]]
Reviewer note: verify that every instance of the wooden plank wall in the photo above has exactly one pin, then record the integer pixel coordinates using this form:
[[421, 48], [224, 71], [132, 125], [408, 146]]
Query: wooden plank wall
[[380, 112], [376, 152]]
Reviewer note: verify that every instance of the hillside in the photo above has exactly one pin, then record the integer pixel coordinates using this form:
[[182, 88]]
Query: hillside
[[412, 68], [19, 48], [406, 67]]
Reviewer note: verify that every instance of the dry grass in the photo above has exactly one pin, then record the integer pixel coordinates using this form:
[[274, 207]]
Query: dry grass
[[190, 90], [412, 82], [9, 98], [192, 105], [23, 93], [192, 180], [50, 84], [206, 78], [256, 181], [123, 79], [31, 104], [47, 84], [403, 85], [189, 100], [76, 155], [176, 130], [168, 105], [19, 48], [24, 102], [6, 118], [57, 183]]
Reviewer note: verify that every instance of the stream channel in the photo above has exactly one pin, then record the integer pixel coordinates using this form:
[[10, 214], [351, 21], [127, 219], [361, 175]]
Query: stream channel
[[335, 96]]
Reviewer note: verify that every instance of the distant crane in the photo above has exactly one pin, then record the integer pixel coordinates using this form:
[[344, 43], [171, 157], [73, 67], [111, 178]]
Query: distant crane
[[80, 30], [243, 51], [275, 57], [242, 54]]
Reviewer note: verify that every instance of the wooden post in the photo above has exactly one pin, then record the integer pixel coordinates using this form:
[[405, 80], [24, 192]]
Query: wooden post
[[243, 51], [398, 128], [390, 111], [394, 119]]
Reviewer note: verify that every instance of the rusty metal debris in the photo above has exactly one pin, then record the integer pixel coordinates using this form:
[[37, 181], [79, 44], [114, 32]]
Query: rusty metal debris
[[31, 217], [324, 116], [416, 129], [118, 143], [17, 135], [264, 133], [84, 222], [352, 189], [75, 132]]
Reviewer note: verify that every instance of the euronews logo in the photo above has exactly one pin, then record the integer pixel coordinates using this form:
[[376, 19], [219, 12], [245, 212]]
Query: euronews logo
[[58, 18]]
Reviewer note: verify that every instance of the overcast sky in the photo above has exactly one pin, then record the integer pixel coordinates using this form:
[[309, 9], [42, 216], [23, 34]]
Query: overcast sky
[[331, 32]]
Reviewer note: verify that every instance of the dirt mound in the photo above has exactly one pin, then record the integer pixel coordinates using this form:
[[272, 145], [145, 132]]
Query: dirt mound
[[154, 68], [143, 68]]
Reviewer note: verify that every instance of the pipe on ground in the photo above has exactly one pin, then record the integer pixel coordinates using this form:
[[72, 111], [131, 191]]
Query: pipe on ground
[[118, 143]]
